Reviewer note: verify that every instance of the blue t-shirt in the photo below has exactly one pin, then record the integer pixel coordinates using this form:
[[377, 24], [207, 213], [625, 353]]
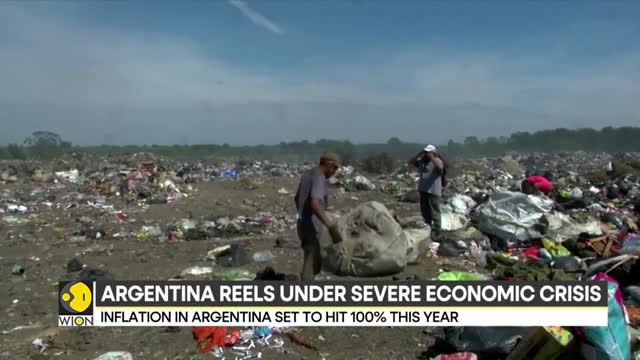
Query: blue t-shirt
[[430, 178], [312, 184]]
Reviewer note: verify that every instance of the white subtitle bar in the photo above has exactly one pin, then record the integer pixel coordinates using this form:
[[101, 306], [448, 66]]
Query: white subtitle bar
[[519, 316]]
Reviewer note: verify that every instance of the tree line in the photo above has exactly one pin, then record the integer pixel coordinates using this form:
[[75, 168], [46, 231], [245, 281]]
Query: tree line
[[46, 145]]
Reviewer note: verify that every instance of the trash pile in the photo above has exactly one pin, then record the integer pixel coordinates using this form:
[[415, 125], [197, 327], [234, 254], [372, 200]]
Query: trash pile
[[586, 229]]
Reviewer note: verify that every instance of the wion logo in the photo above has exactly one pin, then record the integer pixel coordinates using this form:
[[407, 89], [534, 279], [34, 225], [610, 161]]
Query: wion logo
[[75, 304]]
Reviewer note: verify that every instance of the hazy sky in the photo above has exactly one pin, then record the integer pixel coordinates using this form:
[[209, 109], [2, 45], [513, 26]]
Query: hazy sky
[[247, 72]]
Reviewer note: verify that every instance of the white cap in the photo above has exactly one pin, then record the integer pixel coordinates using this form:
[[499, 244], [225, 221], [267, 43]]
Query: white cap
[[430, 148]]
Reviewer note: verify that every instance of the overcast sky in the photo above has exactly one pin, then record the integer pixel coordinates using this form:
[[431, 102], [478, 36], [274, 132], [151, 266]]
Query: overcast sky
[[249, 72]]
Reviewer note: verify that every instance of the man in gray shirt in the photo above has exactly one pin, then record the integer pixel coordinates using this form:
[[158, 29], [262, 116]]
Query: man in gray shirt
[[430, 185], [311, 202]]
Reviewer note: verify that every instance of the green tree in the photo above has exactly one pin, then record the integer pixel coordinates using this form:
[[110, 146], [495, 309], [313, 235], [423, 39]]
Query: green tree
[[471, 141], [394, 141], [46, 144]]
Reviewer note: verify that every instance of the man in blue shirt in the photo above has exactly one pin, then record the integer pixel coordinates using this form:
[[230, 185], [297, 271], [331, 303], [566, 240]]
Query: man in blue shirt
[[431, 168], [312, 200]]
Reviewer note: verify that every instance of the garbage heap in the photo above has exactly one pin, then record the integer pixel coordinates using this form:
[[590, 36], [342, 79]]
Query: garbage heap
[[586, 229]]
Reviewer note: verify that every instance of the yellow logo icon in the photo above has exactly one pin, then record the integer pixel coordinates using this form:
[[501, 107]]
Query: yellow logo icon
[[76, 297]]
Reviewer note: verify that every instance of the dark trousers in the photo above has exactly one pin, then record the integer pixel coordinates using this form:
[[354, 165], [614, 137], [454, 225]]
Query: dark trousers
[[311, 246], [430, 208]]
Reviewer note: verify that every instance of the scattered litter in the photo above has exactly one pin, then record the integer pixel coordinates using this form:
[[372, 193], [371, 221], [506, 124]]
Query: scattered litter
[[456, 356], [197, 270], [262, 256], [212, 254], [39, 344], [115, 355], [17, 208], [97, 206], [17, 269]]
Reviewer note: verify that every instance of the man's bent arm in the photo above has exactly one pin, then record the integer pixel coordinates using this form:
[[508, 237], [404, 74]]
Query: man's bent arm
[[319, 212], [437, 163]]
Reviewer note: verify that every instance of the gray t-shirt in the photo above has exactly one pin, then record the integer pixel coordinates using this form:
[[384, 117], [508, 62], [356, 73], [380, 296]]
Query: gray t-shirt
[[430, 178], [312, 184]]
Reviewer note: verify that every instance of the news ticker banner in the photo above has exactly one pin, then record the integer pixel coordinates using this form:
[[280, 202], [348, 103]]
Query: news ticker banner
[[336, 303]]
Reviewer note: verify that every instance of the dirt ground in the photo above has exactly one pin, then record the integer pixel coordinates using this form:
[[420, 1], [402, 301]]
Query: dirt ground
[[44, 246]]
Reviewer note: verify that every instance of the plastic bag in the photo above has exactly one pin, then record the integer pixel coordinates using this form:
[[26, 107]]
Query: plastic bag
[[511, 215], [452, 221], [208, 337], [235, 274], [115, 355], [486, 342], [478, 255], [261, 256], [373, 243], [229, 173], [459, 276], [612, 341], [556, 250]]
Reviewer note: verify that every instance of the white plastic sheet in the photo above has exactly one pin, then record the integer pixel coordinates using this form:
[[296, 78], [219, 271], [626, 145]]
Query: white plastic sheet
[[510, 215], [72, 176]]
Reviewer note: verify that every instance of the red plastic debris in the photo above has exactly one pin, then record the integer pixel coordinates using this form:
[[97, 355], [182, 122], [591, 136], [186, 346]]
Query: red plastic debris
[[265, 220], [209, 337], [122, 217], [232, 338], [457, 356], [531, 252]]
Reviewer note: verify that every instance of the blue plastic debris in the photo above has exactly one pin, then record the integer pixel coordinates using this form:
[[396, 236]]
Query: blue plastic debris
[[229, 173], [262, 331]]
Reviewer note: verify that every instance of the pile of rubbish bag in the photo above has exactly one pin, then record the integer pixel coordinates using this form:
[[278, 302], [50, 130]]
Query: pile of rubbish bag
[[373, 243], [587, 230]]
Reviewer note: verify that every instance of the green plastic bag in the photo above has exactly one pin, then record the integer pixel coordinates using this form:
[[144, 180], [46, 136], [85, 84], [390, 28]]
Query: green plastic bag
[[459, 276], [564, 194], [556, 250], [235, 274]]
